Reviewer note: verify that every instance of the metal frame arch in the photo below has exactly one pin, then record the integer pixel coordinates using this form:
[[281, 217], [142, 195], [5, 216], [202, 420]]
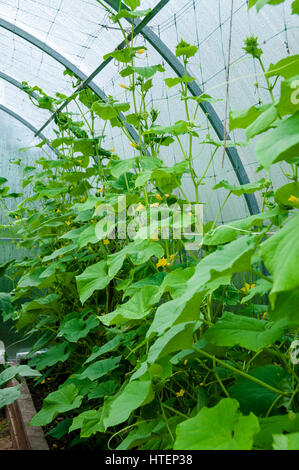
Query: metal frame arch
[[12, 81], [25, 123], [195, 90], [66, 63]]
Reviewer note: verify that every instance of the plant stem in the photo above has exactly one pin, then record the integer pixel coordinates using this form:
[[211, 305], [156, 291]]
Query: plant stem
[[243, 374]]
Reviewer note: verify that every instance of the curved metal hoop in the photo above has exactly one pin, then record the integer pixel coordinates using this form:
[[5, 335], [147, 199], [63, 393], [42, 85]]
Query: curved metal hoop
[[66, 63], [195, 90], [174, 63], [25, 123]]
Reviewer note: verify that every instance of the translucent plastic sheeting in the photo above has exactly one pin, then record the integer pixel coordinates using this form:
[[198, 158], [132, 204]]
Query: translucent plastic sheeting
[[75, 28], [19, 102], [81, 31], [15, 135]]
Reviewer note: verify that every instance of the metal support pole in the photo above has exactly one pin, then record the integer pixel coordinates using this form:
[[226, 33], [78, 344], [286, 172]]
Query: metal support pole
[[195, 90]]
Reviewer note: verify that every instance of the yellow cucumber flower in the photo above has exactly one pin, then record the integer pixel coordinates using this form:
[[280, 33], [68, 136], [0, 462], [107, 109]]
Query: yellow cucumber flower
[[162, 263], [247, 287], [293, 199]]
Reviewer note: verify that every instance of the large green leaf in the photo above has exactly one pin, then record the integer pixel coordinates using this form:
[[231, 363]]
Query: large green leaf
[[244, 189], [60, 252], [179, 128], [171, 82], [289, 96], [133, 396], [109, 111], [286, 306], [64, 399], [129, 14], [280, 143], [103, 389], [286, 193], [88, 236], [286, 442], [176, 338], [211, 272], [260, 3], [185, 49], [226, 233], [122, 166], [124, 55], [242, 119], [253, 396], [145, 72], [169, 178], [281, 256], [9, 395], [42, 303], [262, 123], [142, 432], [77, 328], [286, 68], [58, 353], [99, 369], [13, 371], [133, 4], [138, 251], [107, 347], [250, 333], [279, 424], [94, 278], [222, 427], [262, 287], [137, 308]]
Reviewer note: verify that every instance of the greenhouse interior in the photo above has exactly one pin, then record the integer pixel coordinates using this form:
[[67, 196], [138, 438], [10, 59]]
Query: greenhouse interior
[[149, 248]]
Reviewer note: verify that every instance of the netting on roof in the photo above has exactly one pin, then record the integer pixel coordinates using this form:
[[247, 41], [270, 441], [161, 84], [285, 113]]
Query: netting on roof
[[81, 32]]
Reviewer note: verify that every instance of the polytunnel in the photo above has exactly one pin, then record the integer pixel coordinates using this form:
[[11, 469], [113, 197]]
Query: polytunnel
[[149, 203]]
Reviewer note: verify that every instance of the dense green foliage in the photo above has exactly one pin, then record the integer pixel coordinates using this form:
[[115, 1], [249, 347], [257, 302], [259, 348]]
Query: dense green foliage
[[154, 346]]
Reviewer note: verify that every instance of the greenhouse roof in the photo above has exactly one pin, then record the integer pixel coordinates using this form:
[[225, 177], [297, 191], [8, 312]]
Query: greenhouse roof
[[40, 39]]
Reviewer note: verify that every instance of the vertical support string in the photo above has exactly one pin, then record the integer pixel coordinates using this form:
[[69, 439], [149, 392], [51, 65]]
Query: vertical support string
[[227, 79]]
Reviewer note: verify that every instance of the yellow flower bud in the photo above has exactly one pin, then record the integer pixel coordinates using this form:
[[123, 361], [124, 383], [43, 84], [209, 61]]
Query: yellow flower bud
[[162, 263]]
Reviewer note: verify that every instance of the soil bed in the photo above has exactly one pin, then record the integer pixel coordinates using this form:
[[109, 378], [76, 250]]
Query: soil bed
[[5, 439], [68, 441]]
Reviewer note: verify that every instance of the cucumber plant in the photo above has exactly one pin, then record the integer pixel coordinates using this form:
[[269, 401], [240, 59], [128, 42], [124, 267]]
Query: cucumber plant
[[152, 344]]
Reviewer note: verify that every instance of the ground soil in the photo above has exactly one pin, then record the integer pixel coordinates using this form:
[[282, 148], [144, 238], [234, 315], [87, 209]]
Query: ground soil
[[5, 439], [67, 442]]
